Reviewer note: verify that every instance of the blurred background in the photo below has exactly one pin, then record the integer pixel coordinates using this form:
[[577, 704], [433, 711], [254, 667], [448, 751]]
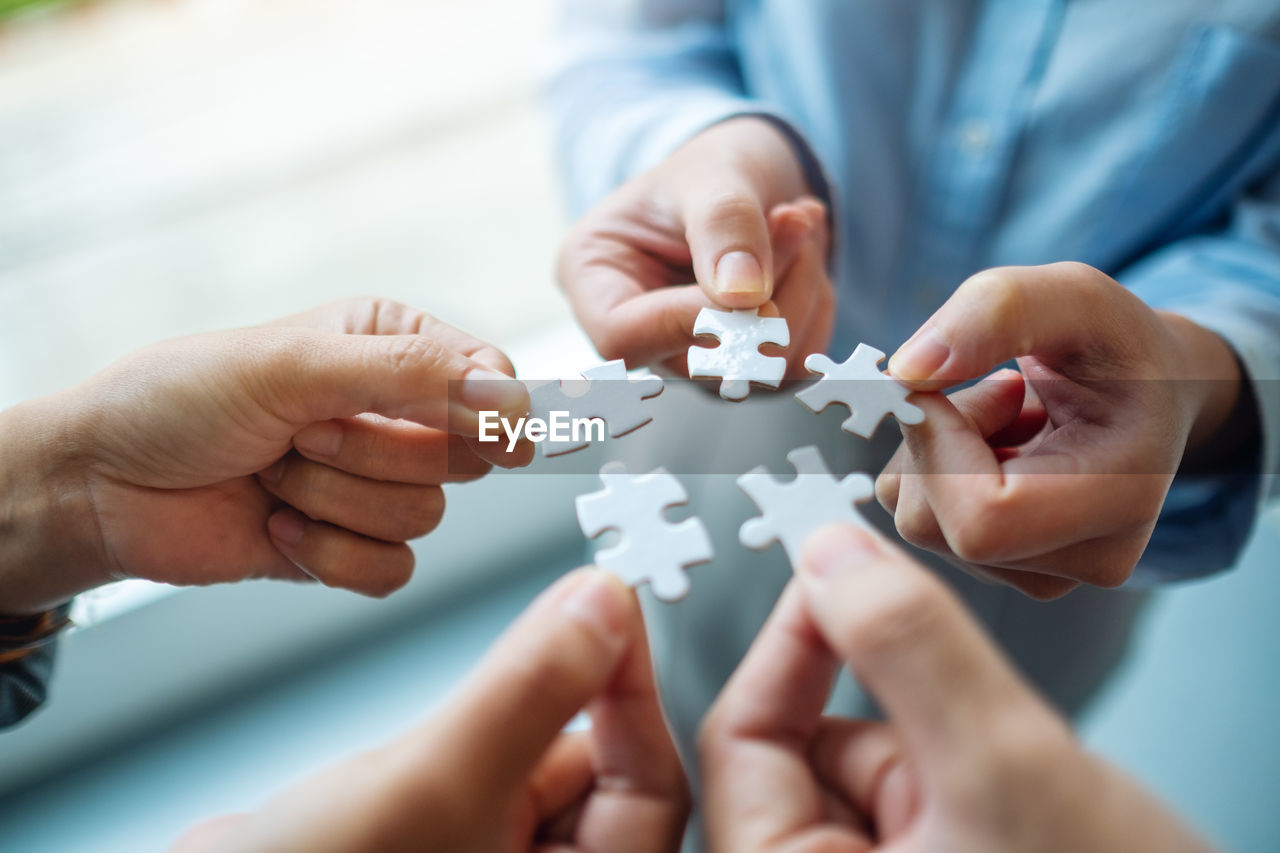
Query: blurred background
[[174, 166]]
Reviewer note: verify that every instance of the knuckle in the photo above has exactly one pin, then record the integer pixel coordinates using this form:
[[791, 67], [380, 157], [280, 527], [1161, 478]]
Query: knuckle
[[915, 526], [336, 565], [424, 513], [1000, 294], [374, 570], [411, 352], [496, 358], [364, 312], [392, 572], [279, 363], [1113, 571], [731, 209], [1086, 279], [465, 465], [981, 533], [390, 314], [1075, 268], [887, 490], [975, 543], [612, 342]]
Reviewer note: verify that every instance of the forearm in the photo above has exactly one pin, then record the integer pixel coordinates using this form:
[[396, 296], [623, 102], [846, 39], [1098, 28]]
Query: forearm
[[624, 92], [47, 547]]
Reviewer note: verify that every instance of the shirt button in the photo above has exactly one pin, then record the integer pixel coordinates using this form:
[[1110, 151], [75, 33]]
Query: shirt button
[[975, 136]]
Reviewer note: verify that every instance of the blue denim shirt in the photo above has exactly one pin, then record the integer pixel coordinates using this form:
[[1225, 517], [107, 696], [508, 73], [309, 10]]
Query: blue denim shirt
[[1142, 138]]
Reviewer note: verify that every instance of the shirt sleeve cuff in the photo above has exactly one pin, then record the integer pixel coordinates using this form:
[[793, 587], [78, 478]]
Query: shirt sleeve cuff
[[1206, 521]]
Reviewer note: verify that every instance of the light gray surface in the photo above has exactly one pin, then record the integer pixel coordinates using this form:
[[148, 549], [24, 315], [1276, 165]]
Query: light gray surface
[[1195, 712]]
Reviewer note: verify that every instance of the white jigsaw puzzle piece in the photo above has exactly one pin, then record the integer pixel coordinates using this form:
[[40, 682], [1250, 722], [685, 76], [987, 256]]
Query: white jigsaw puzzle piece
[[859, 384], [610, 395], [737, 360], [792, 511], [651, 548]]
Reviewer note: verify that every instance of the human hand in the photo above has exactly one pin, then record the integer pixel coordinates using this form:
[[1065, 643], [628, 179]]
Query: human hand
[[727, 210], [968, 760], [1055, 476], [309, 449], [492, 771]]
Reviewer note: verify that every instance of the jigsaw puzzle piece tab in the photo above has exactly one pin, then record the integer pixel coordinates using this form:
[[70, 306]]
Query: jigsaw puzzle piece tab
[[737, 361], [858, 384], [794, 510], [611, 395], [650, 548]]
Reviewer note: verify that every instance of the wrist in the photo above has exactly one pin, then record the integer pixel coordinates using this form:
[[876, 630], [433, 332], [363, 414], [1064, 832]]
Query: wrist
[[49, 547], [1209, 377]]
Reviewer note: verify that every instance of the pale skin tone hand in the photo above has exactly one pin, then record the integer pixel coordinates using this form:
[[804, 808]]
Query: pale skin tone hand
[[726, 222], [968, 760], [310, 449], [491, 770], [1054, 476]]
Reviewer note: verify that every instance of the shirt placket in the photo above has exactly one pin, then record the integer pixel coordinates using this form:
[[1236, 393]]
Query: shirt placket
[[968, 168]]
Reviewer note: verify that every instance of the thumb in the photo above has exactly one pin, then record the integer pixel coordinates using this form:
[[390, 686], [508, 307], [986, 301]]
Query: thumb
[[933, 670], [1054, 312], [728, 237], [324, 376], [559, 655]]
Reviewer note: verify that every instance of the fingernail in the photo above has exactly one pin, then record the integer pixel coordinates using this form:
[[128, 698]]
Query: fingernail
[[919, 358], [595, 602], [836, 548], [319, 439], [489, 391], [273, 472], [286, 526], [739, 272]]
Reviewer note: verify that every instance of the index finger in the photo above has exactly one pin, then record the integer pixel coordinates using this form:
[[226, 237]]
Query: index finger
[[990, 511], [624, 318], [641, 799], [759, 787], [376, 316], [937, 675]]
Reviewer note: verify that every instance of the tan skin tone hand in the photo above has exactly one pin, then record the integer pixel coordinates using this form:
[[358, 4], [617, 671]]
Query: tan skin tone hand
[[309, 449], [491, 770], [968, 759], [726, 222], [1052, 476]]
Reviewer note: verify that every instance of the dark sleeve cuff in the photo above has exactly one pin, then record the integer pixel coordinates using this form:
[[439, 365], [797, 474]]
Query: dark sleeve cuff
[[810, 166], [26, 668], [1212, 506], [24, 684]]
